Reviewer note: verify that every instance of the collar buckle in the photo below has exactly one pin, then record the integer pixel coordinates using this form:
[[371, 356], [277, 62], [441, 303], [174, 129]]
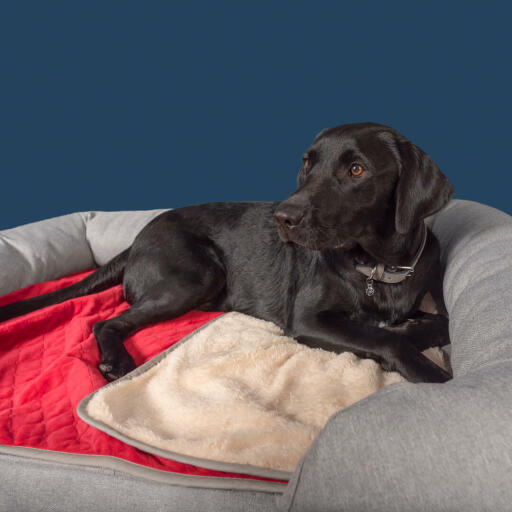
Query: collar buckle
[[410, 270]]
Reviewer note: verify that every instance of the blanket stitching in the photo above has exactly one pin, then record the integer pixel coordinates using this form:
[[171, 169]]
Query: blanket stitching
[[10, 428], [43, 436], [82, 357], [68, 395], [84, 337], [112, 310]]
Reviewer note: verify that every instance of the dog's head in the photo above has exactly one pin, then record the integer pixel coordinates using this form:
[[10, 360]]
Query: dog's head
[[357, 179]]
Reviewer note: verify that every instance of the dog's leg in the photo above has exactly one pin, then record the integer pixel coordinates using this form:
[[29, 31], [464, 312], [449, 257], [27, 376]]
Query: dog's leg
[[110, 334], [424, 330], [162, 301], [393, 351]]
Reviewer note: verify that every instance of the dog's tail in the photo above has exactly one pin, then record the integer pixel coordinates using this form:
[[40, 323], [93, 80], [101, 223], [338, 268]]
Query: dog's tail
[[105, 277]]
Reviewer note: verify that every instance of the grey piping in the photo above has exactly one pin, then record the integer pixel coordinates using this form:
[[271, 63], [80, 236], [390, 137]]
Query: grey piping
[[139, 471]]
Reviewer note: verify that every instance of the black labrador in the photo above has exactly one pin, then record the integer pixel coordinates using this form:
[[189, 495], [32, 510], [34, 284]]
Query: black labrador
[[342, 264]]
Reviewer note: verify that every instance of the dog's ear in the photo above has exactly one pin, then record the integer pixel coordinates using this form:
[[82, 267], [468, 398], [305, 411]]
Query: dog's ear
[[422, 189]]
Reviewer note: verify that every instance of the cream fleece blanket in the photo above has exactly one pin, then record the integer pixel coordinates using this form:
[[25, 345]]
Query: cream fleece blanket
[[239, 391]]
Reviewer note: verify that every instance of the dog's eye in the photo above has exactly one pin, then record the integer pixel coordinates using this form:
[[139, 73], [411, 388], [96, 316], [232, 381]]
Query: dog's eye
[[306, 162], [356, 170]]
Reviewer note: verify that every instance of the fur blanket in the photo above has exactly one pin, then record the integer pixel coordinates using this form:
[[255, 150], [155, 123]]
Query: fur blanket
[[237, 390]]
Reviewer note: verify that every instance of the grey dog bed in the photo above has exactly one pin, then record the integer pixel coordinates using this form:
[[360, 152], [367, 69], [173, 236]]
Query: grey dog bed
[[408, 447]]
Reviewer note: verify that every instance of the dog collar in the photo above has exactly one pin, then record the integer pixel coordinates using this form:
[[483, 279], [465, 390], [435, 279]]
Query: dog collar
[[391, 273]]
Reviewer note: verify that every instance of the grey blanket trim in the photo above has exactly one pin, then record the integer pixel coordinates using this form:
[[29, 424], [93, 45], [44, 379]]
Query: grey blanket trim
[[245, 469], [139, 471]]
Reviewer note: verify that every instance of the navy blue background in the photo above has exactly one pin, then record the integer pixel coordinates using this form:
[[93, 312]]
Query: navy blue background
[[120, 105]]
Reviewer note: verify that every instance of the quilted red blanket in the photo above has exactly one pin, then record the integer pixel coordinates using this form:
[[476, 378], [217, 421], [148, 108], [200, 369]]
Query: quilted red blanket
[[48, 363]]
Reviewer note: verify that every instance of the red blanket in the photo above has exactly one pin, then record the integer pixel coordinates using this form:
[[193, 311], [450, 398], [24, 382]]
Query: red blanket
[[48, 363]]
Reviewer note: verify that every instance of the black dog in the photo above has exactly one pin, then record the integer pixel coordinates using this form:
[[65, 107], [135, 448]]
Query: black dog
[[345, 269]]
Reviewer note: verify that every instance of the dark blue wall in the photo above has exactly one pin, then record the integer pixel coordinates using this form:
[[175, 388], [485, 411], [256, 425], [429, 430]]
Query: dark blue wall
[[124, 105]]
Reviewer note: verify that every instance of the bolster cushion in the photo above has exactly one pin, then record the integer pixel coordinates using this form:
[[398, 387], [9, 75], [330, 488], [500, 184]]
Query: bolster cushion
[[53, 248]]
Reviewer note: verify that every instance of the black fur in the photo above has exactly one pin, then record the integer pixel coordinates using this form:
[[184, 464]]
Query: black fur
[[301, 273]]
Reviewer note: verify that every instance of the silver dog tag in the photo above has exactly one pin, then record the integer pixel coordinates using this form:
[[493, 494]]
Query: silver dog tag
[[370, 290]]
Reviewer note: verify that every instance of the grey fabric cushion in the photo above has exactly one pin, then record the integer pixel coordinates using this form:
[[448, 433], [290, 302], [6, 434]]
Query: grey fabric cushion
[[42, 251], [109, 233], [476, 242], [57, 247], [31, 485], [433, 447]]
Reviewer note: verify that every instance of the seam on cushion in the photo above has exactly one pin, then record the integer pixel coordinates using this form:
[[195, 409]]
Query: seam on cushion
[[492, 363], [473, 368], [86, 217], [19, 256], [294, 494]]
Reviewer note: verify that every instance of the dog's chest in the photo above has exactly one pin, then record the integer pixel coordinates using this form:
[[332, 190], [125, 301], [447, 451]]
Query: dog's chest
[[377, 303], [389, 303]]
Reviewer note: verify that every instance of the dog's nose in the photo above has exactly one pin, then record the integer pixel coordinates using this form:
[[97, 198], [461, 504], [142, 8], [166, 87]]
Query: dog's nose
[[289, 216]]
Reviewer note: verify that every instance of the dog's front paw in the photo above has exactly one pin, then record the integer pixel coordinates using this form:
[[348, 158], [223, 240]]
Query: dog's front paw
[[113, 370]]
